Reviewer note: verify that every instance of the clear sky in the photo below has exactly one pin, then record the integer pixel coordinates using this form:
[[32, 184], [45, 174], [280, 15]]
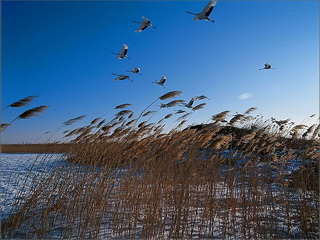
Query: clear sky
[[61, 51]]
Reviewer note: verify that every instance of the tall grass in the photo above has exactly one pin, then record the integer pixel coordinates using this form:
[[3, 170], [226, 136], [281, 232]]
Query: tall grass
[[127, 178]]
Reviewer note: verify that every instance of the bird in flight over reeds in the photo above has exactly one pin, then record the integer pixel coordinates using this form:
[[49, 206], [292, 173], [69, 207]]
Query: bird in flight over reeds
[[161, 81], [266, 66], [204, 14], [123, 53], [135, 70], [189, 104], [144, 24], [121, 77]]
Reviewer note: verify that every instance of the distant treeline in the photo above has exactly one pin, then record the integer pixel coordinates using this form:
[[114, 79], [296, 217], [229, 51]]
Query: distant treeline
[[36, 148]]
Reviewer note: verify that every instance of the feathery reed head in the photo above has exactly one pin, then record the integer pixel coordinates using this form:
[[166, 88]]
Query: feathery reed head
[[199, 106], [123, 106], [123, 112], [148, 113], [220, 116], [170, 95], [250, 110], [23, 102], [73, 120], [172, 103], [32, 112], [3, 126], [168, 116], [94, 121]]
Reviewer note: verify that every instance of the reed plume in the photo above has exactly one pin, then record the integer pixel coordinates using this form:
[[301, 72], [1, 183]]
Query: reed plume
[[73, 120], [170, 95], [32, 112], [250, 110], [94, 121], [236, 118], [3, 126], [125, 105], [168, 116], [123, 112], [171, 104], [148, 113], [220, 116], [22, 102], [199, 106]]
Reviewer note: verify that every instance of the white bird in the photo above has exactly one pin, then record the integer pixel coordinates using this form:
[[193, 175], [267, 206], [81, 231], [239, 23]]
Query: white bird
[[144, 24], [189, 104], [121, 77], [204, 14], [135, 70], [202, 97], [123, 53], [266, 66], [161, 81]]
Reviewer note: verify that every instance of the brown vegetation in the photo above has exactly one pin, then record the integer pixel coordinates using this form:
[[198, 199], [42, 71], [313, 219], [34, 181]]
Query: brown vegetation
[[224, 179]]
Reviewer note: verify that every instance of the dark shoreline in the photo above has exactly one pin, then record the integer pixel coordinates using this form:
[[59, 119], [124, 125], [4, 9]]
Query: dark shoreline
[[36, 148]]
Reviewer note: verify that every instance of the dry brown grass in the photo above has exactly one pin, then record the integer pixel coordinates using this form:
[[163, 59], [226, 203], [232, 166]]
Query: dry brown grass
[[217, 180]]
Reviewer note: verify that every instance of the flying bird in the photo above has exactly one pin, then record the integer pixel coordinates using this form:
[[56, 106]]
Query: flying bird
[[204, 14], [189, 104], [202, 97], [266, 66], [161, 81], [121, 77], [123, 53], [135, 70], [144, 24]]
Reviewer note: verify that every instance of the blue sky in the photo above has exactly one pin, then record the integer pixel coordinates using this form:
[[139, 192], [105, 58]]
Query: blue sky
[[61, 51]]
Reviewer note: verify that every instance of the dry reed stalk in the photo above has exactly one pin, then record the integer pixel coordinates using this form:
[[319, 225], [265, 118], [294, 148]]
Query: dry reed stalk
[[32, 112], [171, 104], [3, 126], [22, 102], [125, 105], [220, 116], [236, 118], [168, 116], [94, 121], [199, 106], [248, 111], [73, 120], [148, 113], [123, 112], [170, 95]]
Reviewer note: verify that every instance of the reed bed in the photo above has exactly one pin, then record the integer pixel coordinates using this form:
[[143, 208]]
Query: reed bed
[[127, 178]]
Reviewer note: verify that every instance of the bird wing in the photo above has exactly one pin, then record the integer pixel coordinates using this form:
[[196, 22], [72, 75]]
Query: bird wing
[[146, 20], [208, 9], [124, 50], [163, 80], [142, 27], [190, 102]]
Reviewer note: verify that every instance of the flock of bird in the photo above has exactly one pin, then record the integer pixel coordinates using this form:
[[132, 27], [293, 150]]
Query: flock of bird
[[144, 24]]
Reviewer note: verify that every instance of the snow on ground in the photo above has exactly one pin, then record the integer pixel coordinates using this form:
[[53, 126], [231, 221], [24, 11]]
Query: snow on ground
[[16, 168], [17, 172]]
